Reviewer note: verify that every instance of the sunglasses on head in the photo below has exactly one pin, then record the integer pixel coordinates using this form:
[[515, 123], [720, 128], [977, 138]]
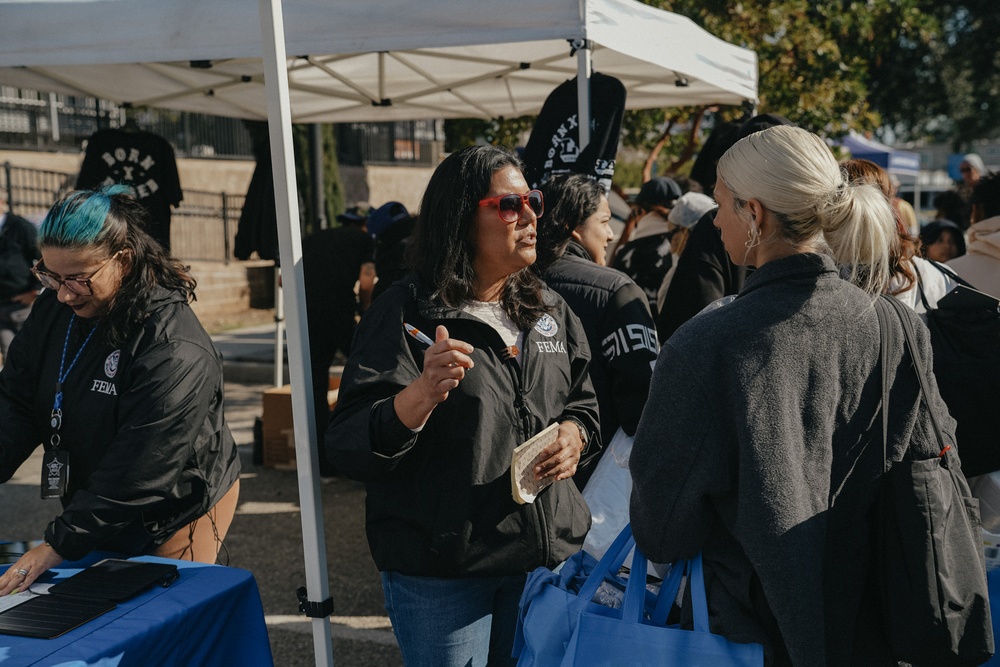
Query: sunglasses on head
[[509, 207]]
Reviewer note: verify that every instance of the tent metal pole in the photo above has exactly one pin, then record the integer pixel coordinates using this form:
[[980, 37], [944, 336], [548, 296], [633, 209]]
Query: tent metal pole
[[583, 89], [317, 603], [279, 330]]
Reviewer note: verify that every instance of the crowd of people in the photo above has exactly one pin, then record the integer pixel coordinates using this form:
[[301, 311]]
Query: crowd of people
[[729, 331]]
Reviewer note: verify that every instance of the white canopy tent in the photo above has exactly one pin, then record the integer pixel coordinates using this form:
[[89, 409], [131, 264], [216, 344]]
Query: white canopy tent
[[393, 61]]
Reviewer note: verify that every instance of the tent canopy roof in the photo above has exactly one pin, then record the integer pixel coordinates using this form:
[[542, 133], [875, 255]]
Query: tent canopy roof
[[366, 61]]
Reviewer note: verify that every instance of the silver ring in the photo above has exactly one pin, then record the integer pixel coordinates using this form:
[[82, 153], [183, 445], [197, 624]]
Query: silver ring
[[23, 572]]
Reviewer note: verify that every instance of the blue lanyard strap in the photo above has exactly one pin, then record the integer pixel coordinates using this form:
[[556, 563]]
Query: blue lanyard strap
[[57, 406]]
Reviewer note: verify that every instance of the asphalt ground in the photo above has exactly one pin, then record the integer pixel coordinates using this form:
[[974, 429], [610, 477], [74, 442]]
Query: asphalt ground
[[266, 534]]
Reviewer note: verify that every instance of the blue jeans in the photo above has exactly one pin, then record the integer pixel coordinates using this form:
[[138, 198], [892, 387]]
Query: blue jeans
[[466, 622]]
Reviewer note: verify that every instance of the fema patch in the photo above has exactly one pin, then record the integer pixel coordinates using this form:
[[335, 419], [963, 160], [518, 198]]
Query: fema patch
[[111, 364], [547, 326]]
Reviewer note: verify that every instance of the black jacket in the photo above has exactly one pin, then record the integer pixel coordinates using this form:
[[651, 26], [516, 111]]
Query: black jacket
[[18, 253], [704, 273], [143, 424], [439, 501], [615, 315]]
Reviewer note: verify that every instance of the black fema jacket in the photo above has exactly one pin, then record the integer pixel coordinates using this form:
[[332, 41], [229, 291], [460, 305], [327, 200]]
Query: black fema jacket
[[439, 500], [18, 253], [615, 314], [149, 449]]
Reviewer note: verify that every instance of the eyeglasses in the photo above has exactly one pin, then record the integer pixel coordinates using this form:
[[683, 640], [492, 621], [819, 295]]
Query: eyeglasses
[[965, 170], [80, 286], [509, 207]]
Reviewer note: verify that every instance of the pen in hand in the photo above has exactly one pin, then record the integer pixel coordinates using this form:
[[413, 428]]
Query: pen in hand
[[417, 334]]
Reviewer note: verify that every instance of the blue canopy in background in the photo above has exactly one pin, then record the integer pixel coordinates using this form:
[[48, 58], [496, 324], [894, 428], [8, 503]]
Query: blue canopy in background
[[892, 160]]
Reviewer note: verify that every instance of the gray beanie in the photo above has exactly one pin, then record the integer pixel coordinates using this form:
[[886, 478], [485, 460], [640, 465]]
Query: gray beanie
[[689, 208]]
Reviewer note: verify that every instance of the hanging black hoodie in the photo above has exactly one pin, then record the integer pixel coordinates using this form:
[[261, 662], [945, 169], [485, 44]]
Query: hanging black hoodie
[[149, 449]]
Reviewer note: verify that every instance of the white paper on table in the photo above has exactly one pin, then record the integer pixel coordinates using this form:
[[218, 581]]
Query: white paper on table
[[10, 601]]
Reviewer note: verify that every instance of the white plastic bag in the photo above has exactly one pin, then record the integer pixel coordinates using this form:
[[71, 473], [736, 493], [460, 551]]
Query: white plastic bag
[[607, 494]]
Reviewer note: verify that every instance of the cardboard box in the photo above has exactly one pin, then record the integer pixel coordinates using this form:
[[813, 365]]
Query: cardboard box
[[278, 433], [277, 430]]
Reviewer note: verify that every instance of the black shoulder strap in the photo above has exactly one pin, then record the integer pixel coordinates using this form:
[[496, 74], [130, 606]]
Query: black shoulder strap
[[951, 274], [920, 287], [918, 364], [885, 331]]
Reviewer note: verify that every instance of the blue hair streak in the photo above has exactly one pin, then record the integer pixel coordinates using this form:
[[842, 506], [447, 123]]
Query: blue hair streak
[[78, 218]]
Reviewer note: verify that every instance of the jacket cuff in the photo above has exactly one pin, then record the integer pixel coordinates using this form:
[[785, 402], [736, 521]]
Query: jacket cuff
[[65, 542], [389, 435]]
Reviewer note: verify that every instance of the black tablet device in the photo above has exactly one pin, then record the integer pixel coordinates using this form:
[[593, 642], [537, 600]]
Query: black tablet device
[[84, 596]]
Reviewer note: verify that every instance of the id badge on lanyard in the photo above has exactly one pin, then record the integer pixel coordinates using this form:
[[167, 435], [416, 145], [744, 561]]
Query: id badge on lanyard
[[55, 461], [55, 470]]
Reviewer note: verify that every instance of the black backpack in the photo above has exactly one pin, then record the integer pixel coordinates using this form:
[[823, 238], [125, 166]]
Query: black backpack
[[965, 336]]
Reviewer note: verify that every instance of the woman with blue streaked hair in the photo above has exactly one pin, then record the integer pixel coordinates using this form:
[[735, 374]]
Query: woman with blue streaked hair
[[115, 377]]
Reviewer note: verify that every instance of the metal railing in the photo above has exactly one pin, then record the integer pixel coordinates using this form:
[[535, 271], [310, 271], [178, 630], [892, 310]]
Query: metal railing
[[403, 142], [33, 120], [31, 192], [203, 227]]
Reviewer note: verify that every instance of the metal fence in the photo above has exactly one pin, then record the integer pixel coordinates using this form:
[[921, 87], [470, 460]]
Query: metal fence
[[33, 120], [403, 142], [203, 227]]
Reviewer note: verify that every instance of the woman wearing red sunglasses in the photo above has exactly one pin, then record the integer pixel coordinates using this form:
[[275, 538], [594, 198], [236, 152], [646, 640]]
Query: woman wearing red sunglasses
[[430, 426]]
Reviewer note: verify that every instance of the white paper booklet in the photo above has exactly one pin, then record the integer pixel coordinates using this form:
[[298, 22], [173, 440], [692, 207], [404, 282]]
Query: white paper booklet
[[524, 486]]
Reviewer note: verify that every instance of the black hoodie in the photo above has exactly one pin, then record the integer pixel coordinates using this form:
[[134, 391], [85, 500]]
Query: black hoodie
[[143, 424]]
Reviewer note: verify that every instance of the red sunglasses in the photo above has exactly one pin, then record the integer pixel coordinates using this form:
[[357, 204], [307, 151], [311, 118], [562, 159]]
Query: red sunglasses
[[509, 207]]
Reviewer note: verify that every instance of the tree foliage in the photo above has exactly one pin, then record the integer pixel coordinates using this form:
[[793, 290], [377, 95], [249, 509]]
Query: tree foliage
[[922, 69], [946, 85]]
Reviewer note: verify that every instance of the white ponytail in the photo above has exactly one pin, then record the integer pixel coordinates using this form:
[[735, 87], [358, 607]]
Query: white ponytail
[[796, 177]]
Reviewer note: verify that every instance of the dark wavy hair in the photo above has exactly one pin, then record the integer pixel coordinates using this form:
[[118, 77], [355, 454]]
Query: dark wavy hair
[[569, 201], [442, 251], [110, 220]]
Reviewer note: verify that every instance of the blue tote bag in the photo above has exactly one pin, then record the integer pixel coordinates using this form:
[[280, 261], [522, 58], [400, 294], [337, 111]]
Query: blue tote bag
[[634, 640], [552, 602]]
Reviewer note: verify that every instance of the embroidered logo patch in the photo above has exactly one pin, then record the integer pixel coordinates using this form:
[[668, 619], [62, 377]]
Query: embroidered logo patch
[[547, 326], [111, 364]]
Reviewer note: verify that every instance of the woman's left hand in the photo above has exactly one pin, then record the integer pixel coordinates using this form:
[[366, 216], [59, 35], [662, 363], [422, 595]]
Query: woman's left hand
[[560, 459], [28, 567]]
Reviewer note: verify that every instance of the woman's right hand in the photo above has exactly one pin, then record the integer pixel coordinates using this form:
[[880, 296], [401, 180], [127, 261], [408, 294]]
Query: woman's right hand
[[445, 365]]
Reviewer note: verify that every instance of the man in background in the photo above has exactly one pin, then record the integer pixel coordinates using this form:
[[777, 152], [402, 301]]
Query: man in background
[[18, 287], [334, 261]]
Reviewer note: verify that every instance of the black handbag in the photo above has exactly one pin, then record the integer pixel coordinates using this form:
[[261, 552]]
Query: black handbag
[[930, 564], [965, 335]]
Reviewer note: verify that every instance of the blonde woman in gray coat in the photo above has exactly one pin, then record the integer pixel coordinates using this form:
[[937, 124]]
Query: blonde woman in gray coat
[[765, 461]]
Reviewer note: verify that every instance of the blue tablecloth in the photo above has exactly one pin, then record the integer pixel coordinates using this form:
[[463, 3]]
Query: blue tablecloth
[[993, 580], [210, 616]]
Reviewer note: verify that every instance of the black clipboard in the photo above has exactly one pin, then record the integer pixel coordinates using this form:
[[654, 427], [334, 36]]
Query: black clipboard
[[83, 597]]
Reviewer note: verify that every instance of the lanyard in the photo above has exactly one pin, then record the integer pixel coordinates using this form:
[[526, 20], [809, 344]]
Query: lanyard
[[61, 378]]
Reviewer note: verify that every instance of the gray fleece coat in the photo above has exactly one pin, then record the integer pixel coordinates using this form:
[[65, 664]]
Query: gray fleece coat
[[757, 446]]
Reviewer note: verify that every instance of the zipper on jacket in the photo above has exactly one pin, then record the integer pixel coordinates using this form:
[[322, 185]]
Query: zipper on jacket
[[518, 371]]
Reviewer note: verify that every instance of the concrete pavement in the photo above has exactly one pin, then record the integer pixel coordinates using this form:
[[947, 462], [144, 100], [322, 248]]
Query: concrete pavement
[[266, 535]]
